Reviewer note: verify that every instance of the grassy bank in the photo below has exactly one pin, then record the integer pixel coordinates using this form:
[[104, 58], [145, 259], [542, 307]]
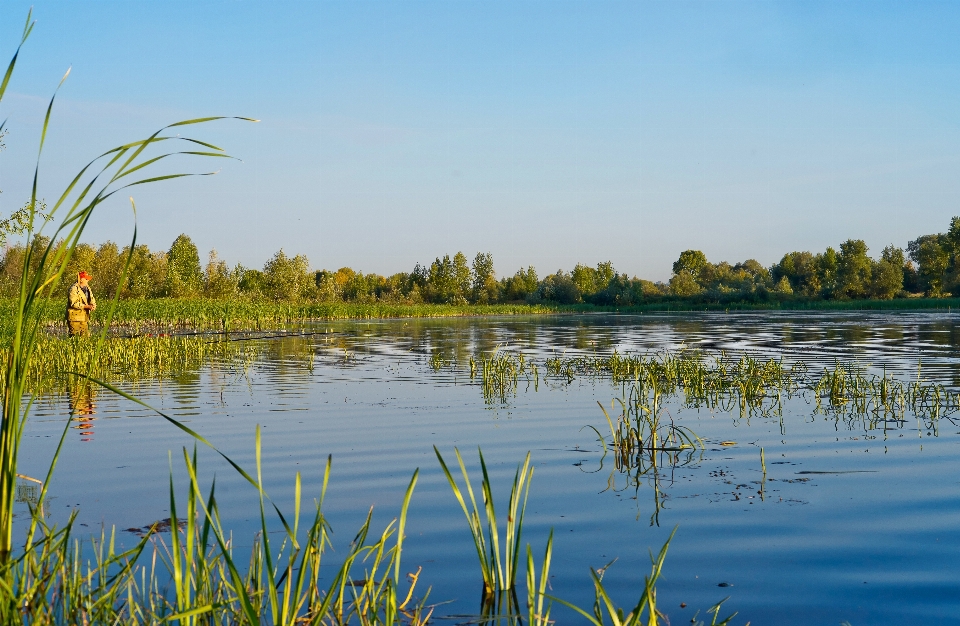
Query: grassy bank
[[206, 314], [157, 315]]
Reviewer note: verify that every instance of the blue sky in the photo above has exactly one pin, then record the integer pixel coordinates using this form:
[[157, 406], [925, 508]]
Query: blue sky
[[547, 133]]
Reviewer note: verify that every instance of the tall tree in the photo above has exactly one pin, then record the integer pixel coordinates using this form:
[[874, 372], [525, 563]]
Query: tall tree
[[521, 285], [286, 278], [184, 276], [484, 278], [106, 269], [692, 261], [218, 280], [853, 269], [800, 268], [147, 275], [827, 266], [887, 274], [933, 261], [462, 279]]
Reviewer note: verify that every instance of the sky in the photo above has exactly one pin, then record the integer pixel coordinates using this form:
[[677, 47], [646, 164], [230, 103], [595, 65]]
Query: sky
[[545, 132]]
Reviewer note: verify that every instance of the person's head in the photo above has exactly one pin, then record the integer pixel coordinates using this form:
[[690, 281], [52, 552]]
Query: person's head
[[83, 278]]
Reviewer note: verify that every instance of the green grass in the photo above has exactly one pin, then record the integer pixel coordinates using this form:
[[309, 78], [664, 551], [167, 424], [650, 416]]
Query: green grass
[[128, 360], [723, 382], [165, 314], [498, 568]]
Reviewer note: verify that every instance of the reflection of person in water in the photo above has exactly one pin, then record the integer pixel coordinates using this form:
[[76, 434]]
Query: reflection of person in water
[[83, 410]]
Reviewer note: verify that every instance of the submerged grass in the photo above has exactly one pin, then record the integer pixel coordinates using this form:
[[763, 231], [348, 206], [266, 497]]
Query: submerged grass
[[126, 360], [500, 373], [731, 383]]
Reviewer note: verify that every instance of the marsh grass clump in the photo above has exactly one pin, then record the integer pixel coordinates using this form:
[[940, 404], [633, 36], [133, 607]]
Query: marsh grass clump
[[498, 567], [165, 315], [128, 360], [644, 439], [645, 427], [500, 373], [849, 387], [758, 387], [850, 393], [189, 573], [645, 612], [711, 381]]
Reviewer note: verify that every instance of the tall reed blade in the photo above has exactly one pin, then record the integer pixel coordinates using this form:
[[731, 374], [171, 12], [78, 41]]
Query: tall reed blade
[[498, 568]]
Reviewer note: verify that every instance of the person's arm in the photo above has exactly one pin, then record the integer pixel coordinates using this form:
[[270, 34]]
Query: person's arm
[[76, 298]]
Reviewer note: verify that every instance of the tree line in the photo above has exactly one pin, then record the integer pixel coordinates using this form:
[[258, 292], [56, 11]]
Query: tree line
[[930, 266]]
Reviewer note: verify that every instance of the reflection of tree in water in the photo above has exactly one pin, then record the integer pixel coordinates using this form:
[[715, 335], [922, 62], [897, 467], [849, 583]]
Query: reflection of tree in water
[[83, 409]]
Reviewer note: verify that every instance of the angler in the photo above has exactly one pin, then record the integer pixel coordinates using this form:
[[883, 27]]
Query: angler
[[80, 304]]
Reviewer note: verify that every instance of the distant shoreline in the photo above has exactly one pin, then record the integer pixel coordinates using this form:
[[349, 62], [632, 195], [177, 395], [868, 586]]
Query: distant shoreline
[[240, 315]]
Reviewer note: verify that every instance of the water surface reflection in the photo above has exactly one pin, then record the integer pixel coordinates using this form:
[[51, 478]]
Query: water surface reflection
[[813, 515]]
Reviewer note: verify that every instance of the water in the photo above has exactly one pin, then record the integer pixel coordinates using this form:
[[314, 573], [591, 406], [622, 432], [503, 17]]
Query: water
[[852, 524]]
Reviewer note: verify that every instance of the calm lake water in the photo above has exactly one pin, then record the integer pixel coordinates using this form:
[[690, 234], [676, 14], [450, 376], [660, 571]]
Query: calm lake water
[[855, 523]]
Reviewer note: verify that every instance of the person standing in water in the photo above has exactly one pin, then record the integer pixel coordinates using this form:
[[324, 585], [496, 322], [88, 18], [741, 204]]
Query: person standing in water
[[80, 303]]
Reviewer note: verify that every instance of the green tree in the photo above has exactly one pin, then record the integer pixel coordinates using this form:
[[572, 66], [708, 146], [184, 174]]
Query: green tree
[[15, 257], [440, 282], [827, 267], [327, 289], [887, 274], [911, 278], [18, 221], [286, 278], [449, 280], [184, 276], [783, 286], [605, 273], [462, 279], [854, 269], [953, 237], [484, 286], [684, 284], [252, 282], [147, 274], [558, 288], [521, 285], [106, 268], [584, 278], [800, 268], [218, 280], [933, 261], [590, 281], [691, 261]]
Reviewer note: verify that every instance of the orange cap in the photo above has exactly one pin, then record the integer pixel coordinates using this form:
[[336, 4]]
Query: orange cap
[[84, 275]]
